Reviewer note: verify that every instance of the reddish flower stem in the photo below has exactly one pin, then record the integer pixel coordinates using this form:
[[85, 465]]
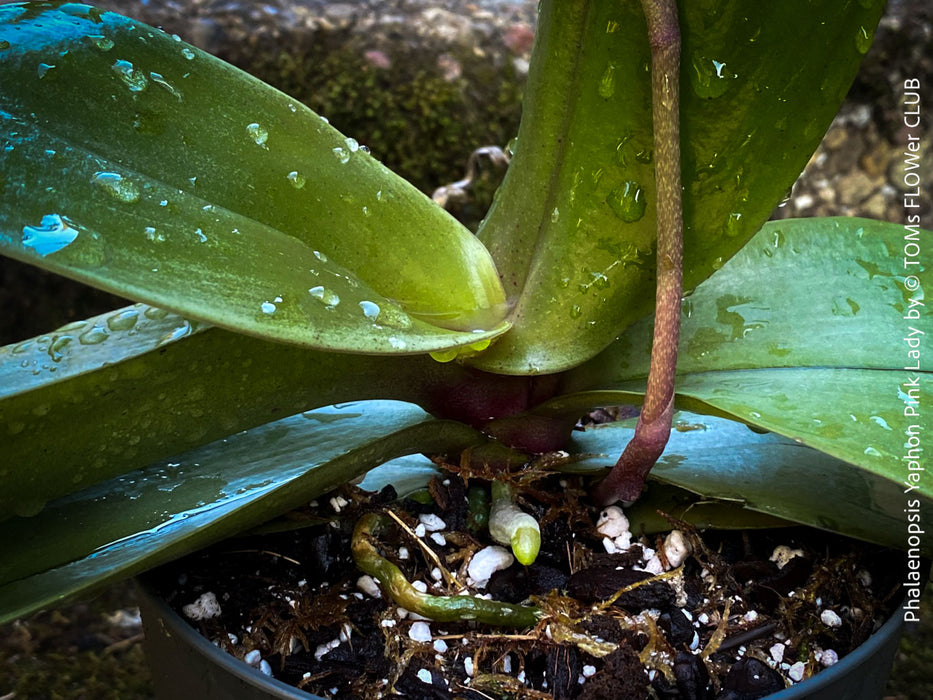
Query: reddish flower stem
[[626, 479]]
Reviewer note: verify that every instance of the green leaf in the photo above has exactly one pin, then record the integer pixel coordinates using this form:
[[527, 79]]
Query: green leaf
[[722, 459], [573, 228], [141, 165], [803, 333], [127, 388], [124, 526]]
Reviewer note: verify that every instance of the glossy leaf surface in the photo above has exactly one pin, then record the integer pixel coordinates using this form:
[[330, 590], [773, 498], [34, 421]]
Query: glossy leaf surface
[[770, 474], [145, 518], [807, 333], [141, 165], [573, 227], [119, 391]]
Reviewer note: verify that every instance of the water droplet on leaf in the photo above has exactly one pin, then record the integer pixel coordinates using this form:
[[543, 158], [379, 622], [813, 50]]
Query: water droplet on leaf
[[94, 336], [327, 297], [162, 82], [447, 355], [268, 307], [131, 77], [50, 236], [370, 310], [153, 313], [627, 202], [116, 186], [733, 224], [101, 42], [607, 83], [58, 347], [258, 134], [296, 179], [123, 320], [710, 78], [862, 40]]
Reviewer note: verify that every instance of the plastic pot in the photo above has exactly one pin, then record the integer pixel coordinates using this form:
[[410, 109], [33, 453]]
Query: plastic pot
[[186, 665]]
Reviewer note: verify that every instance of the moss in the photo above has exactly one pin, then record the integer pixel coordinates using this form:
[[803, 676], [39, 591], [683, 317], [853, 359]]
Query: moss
[[911, 678], [82, 652], [418, 122]]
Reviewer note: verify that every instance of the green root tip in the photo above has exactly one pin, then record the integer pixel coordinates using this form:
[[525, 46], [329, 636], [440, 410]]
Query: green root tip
[[526, 543]]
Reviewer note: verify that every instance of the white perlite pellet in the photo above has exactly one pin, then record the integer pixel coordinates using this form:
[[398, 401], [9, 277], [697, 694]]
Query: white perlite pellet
[[431, 522], [368, 585], [830, 619], [204, 608], [486, 562], [614, 527], [325, 648], [424, 675], [420, 632], [795, 673], [783, 554]]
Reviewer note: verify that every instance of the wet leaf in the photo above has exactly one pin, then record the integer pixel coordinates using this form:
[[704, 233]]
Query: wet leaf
[[804, 333], [121, 390], [139, 520], [141, 165], [765, 473], [573, 228]]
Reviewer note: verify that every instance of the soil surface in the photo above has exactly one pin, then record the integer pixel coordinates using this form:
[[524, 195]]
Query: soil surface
[[745, 614]]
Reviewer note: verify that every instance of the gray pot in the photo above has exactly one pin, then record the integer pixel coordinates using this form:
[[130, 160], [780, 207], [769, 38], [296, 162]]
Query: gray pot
[[186, 665]]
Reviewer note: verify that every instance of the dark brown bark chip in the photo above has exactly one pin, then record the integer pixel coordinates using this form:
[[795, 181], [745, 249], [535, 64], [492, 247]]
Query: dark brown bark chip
[[606, 628], [692, 677], [363, 654], [767, 584], [627, 559], [599, 583], [413, 688], [450, 496], [563, 669], [679, 629], [516, 583], [622, 678], [750, 679]]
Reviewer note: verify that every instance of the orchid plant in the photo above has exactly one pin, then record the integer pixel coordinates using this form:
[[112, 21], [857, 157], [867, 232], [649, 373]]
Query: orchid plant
[[305, 314]]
